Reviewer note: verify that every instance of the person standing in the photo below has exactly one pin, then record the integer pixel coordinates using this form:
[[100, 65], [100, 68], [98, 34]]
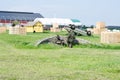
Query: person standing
[[71, 36]]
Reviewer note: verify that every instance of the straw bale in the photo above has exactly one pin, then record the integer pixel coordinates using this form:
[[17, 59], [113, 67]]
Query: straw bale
[[17, 30], [55, 25], [110, 37], [98, 31], [54, 29], [3, 29], [22, 30], [100, 25]]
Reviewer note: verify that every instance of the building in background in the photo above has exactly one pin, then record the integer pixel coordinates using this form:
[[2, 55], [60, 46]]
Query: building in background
[[6, 17]]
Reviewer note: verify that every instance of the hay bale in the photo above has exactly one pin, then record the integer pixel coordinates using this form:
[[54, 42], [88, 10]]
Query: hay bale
[[98, 31], [3, 29], [12, 30], [22, 30], [110, 37], [54, 29], [55, 25], [100, 25], [17, 30]]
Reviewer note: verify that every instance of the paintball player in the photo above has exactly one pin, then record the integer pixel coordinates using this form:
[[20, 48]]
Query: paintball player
[[71, 36], [59, 40]]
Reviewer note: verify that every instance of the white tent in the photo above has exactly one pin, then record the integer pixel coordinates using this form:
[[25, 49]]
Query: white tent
[[59, 21]]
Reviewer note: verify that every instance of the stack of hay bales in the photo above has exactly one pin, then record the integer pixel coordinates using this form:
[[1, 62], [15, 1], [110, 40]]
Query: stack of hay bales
[[17, 30], [110, 37], [55, 28], [3, 29], [100, 27]]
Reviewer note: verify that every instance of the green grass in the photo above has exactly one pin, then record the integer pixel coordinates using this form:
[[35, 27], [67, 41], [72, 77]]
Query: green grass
[[20, 60], [28, 41]]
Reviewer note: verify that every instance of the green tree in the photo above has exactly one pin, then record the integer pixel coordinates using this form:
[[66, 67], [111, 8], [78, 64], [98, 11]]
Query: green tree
[[14, 23]]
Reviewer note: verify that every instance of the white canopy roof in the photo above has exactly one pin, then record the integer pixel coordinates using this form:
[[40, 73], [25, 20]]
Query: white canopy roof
[[59, 21]]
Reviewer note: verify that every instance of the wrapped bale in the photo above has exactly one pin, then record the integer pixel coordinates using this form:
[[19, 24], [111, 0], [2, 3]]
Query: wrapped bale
[[3, 29], [110, 37]]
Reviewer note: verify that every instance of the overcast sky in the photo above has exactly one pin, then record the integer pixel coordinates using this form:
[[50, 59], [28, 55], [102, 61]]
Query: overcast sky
[[87, 11]]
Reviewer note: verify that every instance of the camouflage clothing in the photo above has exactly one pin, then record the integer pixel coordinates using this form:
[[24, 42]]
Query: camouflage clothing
[[70, 39], [58, 40]]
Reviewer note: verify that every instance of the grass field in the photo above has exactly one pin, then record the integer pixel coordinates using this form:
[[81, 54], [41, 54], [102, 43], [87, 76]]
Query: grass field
[[20, 60]]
